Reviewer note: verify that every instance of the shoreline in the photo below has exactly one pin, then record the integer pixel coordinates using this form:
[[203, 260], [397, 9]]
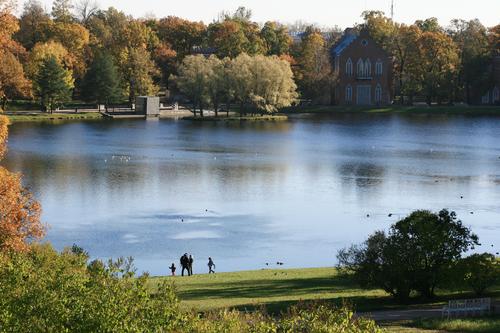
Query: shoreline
[[437, 110], [41, 117]]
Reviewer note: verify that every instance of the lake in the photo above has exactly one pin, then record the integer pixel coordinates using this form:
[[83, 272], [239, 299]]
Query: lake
[[255, 193]]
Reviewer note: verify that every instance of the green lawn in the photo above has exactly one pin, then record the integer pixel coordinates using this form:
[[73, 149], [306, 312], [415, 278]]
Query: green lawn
[[278, 289], [29, 117], [472, 110]]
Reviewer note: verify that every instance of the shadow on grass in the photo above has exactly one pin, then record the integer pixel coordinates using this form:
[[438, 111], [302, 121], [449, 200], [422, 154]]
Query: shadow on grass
[[279, 293]]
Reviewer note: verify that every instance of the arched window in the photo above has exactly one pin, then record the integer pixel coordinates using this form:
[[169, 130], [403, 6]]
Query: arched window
[[378, 68], [496, 95], [368, 68], [378, 94], [348, 67], [348, 93], [360, 68]]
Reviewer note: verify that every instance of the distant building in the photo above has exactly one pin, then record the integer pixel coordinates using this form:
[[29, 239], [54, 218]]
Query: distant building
[[148, 106], [492, 96], [364, 71]]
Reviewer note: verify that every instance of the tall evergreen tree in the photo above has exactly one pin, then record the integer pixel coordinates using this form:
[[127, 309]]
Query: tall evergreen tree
[[61, 11], [53, 84], [102, 81]]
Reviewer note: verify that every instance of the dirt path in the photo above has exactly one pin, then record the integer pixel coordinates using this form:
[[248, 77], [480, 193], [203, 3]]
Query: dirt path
[[413, 314]]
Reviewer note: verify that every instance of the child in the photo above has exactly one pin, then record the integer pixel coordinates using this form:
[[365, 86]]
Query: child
[[210, 265], [172, 268]]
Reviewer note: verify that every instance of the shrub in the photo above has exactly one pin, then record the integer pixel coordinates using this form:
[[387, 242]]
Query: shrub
[[46, 291], [479, 272], [416, 254]]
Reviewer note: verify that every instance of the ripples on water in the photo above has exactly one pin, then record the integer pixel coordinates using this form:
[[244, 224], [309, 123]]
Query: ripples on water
[[247, 194]]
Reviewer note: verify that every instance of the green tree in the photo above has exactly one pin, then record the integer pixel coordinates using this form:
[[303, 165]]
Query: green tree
[[193, 81], [61, 11], [471, 38], [429, 25], [276, 38], [479, 272], [102, 82], [417, 254], [265, 83], [35, 25], [53, 84]]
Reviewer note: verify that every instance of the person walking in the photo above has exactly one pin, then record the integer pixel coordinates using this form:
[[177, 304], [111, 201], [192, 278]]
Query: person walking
[[172, 269], [184, 263], [190, 265], [210, 265]]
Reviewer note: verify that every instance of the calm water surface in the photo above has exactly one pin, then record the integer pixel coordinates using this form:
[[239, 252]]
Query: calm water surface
[[250, 194]]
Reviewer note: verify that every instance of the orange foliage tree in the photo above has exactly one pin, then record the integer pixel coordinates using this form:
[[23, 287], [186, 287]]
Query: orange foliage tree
[[19, 211]]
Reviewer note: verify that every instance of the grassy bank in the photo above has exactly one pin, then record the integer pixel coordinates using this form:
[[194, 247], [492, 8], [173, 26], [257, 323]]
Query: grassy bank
[[280, 117], [278, 289], [462, 325], [465, 110], [34, 117]]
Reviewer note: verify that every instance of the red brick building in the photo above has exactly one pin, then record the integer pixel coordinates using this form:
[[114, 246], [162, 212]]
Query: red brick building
[[364, 71]]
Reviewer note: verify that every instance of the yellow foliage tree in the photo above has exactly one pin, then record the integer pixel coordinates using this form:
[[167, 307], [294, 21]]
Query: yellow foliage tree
[[43, 51]]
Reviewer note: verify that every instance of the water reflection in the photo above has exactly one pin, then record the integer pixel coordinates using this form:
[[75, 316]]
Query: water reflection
[[253, 193]]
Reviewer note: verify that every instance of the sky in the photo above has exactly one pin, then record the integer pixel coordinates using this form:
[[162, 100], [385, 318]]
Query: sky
[[343, 13]]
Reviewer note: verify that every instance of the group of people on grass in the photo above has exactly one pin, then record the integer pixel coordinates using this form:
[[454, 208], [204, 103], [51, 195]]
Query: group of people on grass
[[186, 262]]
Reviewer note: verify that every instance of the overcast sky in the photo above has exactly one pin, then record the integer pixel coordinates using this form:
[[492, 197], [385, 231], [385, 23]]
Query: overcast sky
[[343, 13]]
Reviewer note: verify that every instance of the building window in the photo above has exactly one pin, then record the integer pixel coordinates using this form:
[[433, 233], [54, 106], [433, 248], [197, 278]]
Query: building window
[[378, 68], [348, 67], [378, 94], [496, 95], [368, 68], [348, 93], [360, 68]]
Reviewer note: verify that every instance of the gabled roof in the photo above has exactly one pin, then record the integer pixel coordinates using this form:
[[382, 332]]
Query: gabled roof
[[344, 42]]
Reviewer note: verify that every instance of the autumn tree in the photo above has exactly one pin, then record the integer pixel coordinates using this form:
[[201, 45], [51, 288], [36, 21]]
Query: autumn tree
[[181, 35], [41, 52], [439, 66], [35, 25], [494, 39], [276, 38], [102, 81], [53, 84], [75, 38], [19, 212], [139, 72], [235, 34], [12, 80], [314, 71]]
